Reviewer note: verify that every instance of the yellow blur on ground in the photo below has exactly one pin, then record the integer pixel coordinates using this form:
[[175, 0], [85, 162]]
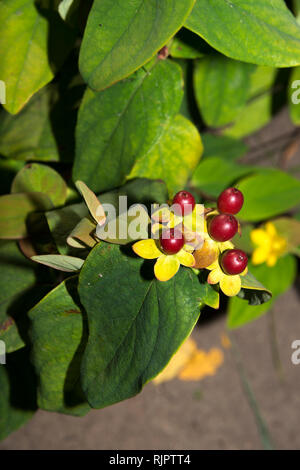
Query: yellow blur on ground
[[193, 364]]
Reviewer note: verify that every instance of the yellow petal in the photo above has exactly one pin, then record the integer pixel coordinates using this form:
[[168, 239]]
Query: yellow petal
[[244, 272], [223, 246], [185, 258], [260, 237], [215, 276], [195, 220], [174, 220], [231, 285], [147, 249], [270, 229], [260, 255], [166, 267], [271, 260], [162, 214]]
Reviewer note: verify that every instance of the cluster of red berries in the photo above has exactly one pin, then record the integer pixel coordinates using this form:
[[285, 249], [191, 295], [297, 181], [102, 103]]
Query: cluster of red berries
[[221, 228]]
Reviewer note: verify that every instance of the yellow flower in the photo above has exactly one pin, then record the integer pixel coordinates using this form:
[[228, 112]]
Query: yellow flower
[[270, 246], [230, 285], [166, 266]]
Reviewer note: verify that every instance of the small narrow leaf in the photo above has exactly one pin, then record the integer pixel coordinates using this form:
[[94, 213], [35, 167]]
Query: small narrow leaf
[[61, 262], [93, 203]]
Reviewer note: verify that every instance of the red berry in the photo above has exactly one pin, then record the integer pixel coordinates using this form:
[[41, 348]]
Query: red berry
[[234, 262], [223, 227], [171, 241], [185, 201], [230, 201]]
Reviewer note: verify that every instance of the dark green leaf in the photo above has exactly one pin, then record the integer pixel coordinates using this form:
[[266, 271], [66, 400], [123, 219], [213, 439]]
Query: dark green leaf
[[136, 324], [121, 37], [59, 336]]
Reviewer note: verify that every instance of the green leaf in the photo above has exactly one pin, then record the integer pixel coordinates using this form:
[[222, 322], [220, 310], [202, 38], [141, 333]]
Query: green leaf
[[136, 324], [187, 45], [263, 32], [29, 135], [223, 147], [27, 49], [41, 178], [179, 147], [221, 88], [214, 174], [92, 202], [119, 38], [209, 296], [64, 263], [268, 193], [294, 96], [277, 279], [59, 335], [254, 291], [18, 394], [121, 124], [258, 111], [14, 209], [16, 282]]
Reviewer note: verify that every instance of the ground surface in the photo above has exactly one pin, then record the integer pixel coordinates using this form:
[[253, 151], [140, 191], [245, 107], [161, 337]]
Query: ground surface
[[211, 414]]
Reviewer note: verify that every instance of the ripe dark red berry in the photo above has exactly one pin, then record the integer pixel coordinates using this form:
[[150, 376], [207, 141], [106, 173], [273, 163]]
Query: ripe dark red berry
[[185, 201], [223, 227], [234, 262], [171, 241], [230, 201]]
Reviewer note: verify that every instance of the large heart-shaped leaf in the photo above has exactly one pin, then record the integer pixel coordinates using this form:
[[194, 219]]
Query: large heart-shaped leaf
[[268, 193], [278, 279], [179, 147], [136, 323], [262, 31], [221, 87], [121, 124], [59, 334], [122, 36]]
